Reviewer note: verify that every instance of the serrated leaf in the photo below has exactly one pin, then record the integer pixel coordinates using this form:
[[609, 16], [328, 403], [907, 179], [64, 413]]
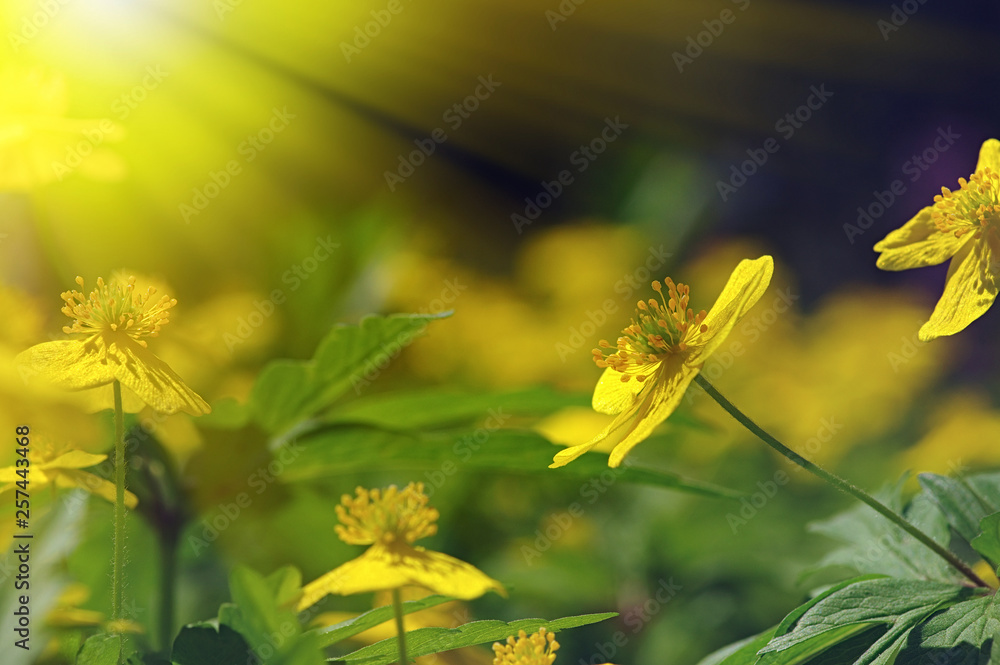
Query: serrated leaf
[[424, 641], [899, 604], [987, 542], [961, 504], [957, 636], [336, 450], [347, 629], [288, 391], [874, 545], [208, 644], [100, 650]]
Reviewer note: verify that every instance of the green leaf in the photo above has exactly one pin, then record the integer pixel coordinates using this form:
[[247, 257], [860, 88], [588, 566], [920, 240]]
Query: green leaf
[[288, 391], [743, 652], [208, 644], [816, 644], [958, 636], [284, 584], [372, 618], [100, 650], [272, 631], [899, 604], [336, 450], [424, 641], [961, 504], [987, 542], [435, 408], [873, 545]]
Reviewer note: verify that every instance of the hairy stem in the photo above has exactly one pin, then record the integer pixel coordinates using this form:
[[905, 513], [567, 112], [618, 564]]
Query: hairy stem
[[841, 484]]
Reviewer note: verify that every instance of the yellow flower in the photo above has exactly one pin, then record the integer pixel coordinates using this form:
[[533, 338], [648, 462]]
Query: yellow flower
[[660, 353], [47, 465], [113, 322], [964, 226], [536, 649], [390, 521]]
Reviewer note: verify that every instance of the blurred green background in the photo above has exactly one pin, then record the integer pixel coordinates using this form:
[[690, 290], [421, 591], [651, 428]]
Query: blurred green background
[[232, 150]]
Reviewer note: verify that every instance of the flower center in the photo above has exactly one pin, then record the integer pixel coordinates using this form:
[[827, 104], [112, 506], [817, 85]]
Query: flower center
[[655, 332], [537, 649], [973, 208], [374, 516], [116, 307]]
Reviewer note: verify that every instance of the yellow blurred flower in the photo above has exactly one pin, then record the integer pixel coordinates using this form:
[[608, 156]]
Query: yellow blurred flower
[[536, 649], [667, 345], [964, 226], [49, 465], [67, 612], [39, 144], [964, 431], [113, 320], [391, 521]]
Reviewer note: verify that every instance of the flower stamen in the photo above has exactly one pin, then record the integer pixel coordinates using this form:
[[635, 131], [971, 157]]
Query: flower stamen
[[375, 516], [116, 307], [537, 649]]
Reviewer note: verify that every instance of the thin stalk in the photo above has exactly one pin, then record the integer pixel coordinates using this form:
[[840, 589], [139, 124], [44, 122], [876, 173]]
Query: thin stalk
[[397, 606], [841, 484], [118, 565]]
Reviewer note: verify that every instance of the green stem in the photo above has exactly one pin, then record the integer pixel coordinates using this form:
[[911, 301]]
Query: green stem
[[118, 565], [397, 606], [841, 484]]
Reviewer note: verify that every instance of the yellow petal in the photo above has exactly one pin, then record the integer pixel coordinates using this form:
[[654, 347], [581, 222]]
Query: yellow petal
[[989, 156], [917, 244], [636, 424], [664, 398], [381, 568], [152, 379], [72, 478], [68, 364], [612, 395], [75, 459], [746, 285], [970, 289]]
